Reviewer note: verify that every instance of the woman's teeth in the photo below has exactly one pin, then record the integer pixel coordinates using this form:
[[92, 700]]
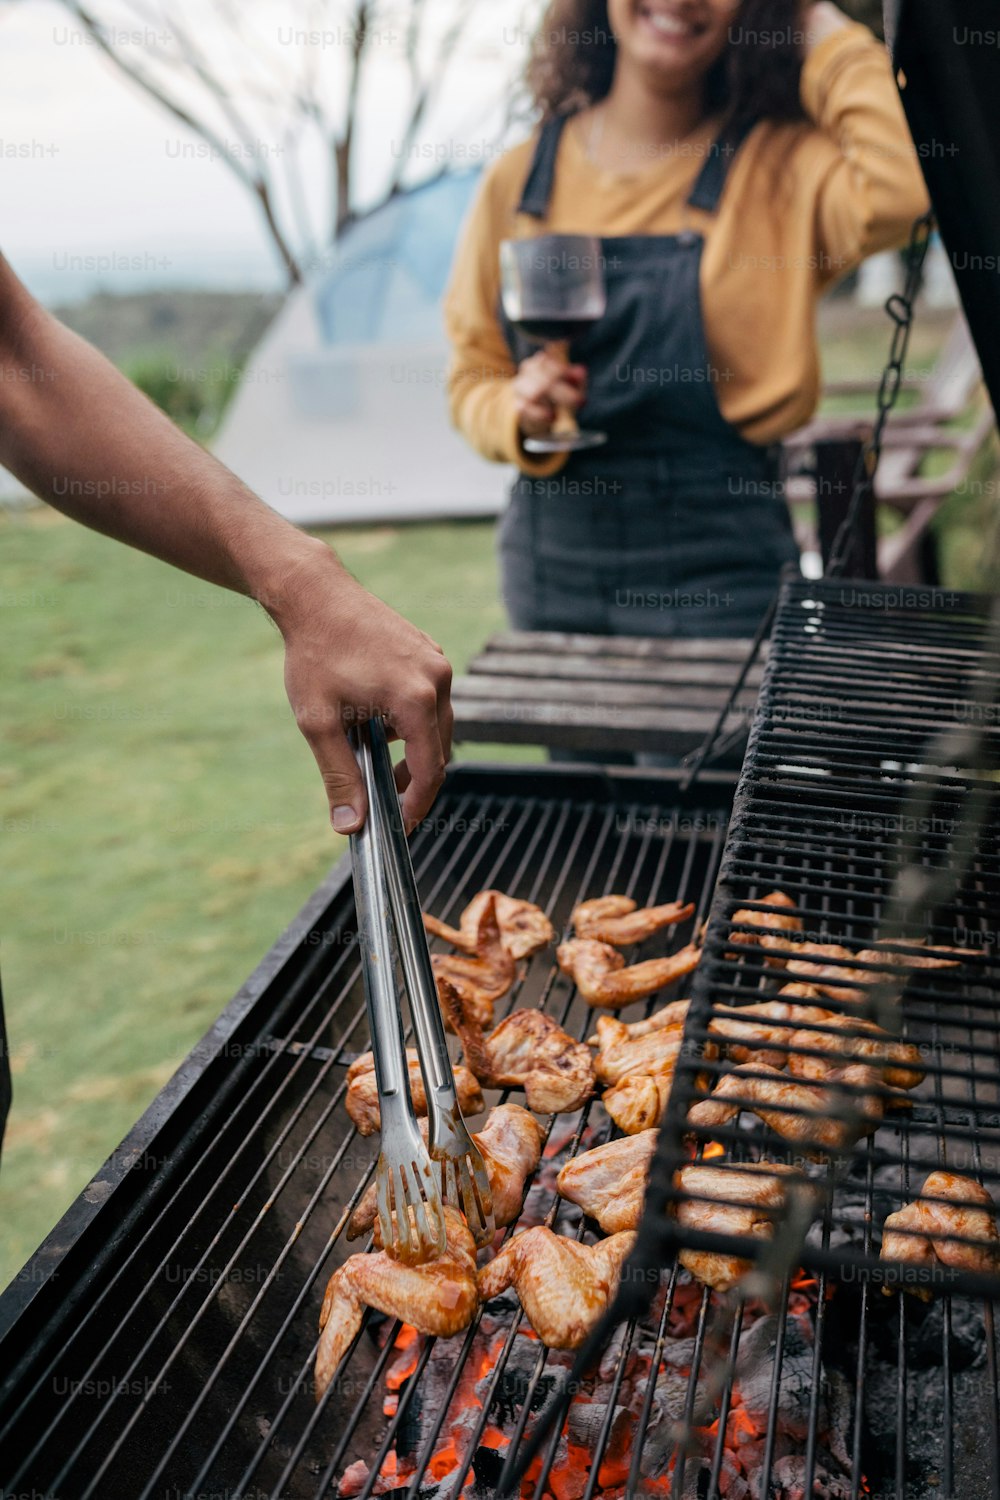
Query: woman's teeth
[[667, 24]]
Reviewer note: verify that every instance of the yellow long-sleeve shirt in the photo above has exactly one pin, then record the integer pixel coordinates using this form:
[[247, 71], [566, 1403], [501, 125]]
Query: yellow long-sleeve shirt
[[803, 204]]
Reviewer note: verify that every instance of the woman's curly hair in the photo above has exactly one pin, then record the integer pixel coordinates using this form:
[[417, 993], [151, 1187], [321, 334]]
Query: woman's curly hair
[[572, 61]]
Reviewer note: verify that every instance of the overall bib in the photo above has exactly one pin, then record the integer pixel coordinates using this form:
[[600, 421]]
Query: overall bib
[[678, 526]]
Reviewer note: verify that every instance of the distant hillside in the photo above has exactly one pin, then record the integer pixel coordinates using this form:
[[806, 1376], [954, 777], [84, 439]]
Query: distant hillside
[[182, 327]]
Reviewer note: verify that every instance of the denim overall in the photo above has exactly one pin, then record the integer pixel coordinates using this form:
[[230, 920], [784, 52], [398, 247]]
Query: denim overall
[[678, 526]]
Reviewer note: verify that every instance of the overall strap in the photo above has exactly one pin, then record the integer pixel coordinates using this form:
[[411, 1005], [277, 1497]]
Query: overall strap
[[712, 178], [537, 190]]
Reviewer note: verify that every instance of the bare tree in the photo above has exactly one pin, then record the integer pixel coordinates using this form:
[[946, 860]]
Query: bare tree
[[273, 87]]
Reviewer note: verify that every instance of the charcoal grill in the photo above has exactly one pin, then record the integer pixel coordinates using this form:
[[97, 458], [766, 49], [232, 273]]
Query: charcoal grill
[[160, 1342]]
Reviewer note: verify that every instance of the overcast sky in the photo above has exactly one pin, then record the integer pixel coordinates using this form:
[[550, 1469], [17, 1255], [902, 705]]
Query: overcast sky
[[101, 188]]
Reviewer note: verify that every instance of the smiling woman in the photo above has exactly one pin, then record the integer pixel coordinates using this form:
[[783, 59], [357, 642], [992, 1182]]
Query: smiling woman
[[733, 158]]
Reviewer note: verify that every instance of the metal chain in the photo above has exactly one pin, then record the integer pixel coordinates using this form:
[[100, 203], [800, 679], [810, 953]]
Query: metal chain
[[900, 309]]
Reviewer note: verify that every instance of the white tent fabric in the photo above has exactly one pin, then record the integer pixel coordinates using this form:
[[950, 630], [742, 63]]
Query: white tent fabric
[[341, 415]]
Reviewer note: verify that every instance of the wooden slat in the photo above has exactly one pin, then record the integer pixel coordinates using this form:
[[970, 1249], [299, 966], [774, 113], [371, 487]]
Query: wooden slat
[[482, 687], [552, 667], [646, 647], [583, 726]]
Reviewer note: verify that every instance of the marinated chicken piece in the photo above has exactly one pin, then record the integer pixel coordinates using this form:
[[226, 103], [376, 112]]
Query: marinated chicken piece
[[673, 1014], [609, 1182], [810, 1115], [640, 1070], [620, 921], [830, 977], [601, 976], [932, 1225], [527, 1050], [487, 977], [761, 1033], [638, 1101], [362, 1091], [618, 1054], [511, 1147], [773, 927], [754, 1193], [439, 1297], [564, 1287], [524, 927], [899, 1061]]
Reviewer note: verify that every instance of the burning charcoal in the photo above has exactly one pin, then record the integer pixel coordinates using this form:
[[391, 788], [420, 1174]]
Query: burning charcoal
[[788, 1478], [586, 1422], [754, 1368]]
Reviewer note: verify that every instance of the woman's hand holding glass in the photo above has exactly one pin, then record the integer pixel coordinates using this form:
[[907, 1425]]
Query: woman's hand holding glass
[[546, 383]]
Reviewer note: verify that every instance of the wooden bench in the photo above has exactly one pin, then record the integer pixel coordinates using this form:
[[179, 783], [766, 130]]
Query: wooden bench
[[600, 693]]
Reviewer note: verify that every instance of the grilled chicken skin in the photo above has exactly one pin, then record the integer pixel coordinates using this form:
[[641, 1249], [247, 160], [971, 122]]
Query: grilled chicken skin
[[485, 978], [619, 921], [439, 1297], [511, 1145], [619, 1054], [609, 1181], [527, 1050], [673, 1014], [362, 1091], [810, 1115], [844, 1038], [774, 929], [931, 1223], [637, 1102], [817, 966], [600, 973], [524, 927], [564, 1287], [754, 1194]]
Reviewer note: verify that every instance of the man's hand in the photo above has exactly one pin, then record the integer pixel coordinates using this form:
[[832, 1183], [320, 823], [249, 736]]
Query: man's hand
[[348, 656]]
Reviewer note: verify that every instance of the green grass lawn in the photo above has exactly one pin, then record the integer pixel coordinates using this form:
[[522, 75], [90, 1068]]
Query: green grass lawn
[[162, 818]]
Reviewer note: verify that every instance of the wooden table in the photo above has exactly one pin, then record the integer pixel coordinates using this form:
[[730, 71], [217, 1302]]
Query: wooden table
[[601, 693]]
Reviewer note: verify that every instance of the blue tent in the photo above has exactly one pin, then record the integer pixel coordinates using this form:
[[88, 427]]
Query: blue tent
[[389, 272]]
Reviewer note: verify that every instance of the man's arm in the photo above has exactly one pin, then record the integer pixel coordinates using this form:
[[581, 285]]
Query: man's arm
[[81, 436]]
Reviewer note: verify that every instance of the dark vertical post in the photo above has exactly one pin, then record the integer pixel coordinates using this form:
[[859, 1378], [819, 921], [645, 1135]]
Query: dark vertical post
[[835, 467]]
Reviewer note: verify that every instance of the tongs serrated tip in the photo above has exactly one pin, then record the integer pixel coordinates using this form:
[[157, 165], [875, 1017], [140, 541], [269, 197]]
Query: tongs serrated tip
[[391, 896]]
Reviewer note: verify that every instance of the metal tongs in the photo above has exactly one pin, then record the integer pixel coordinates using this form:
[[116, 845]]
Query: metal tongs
[[410, 1193]]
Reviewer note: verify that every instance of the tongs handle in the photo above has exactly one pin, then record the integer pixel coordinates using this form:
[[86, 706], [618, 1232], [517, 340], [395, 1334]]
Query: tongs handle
[[425, 1010], [377, 963]]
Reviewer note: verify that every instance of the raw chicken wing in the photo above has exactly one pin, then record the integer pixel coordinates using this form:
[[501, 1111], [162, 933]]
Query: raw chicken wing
[[484, 979], [564, 1287], [439, 1297], [933, 1223], [754, 1194], [609, 1182], [527, 1050], [602, 977], [619, 921], [510, 1143], [809, 1115], [362, 1091], [773, 927], [524, 927]]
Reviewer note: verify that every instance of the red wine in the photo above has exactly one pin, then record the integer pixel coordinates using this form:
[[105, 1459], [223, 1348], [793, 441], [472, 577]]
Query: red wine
[[549, 330]]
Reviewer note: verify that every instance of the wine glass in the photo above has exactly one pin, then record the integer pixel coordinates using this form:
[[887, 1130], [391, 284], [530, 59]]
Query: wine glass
[[553, 290]]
